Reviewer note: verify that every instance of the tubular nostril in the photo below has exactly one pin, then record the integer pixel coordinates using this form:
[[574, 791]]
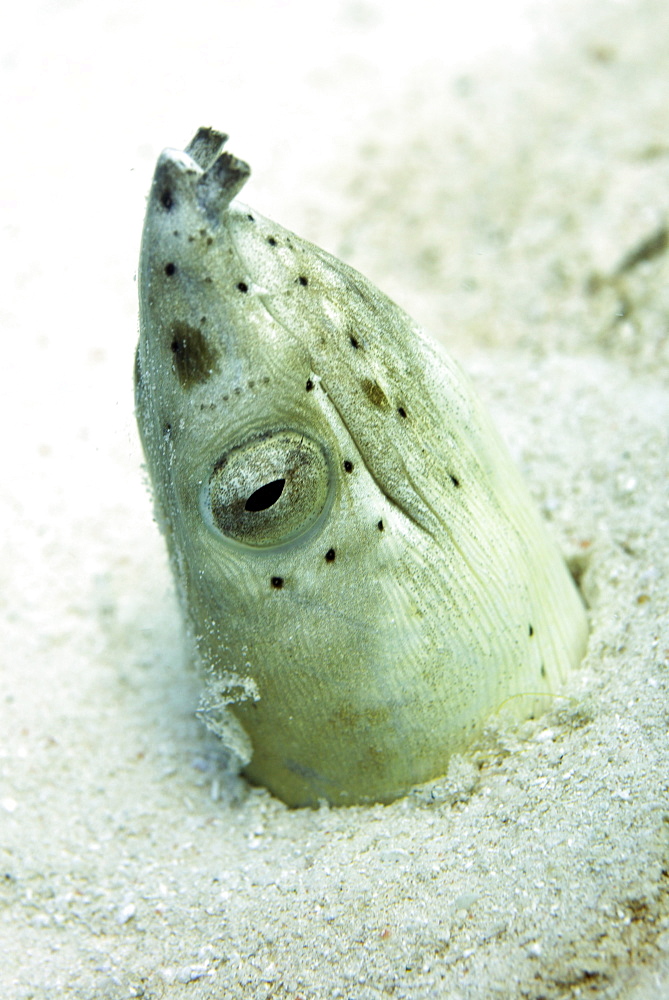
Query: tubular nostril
[[221, 182], [205, 146]]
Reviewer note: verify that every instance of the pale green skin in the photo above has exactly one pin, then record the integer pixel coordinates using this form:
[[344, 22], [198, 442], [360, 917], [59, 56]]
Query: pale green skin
[[369, 671]]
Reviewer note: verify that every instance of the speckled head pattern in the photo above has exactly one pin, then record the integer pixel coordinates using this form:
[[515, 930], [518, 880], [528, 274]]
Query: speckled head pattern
[[361, 569]]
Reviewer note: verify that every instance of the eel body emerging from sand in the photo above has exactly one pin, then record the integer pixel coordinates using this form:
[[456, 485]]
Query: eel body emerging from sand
[[361, 569]]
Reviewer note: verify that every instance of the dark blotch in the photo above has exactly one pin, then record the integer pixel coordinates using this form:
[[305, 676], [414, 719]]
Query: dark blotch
[[303, 281], [250, 218], [193, 359], [354, 342], [170, 269], [348, 466], [166, 200], [531, 631], [277, 582], [242, 286], [330, 555], [454, 479], [271, 241], [310, 385], [374, 393], [402, 412], [543, 669], [380, 525]]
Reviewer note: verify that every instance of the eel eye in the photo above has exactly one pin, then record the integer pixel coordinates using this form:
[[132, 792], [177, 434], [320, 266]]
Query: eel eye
[[268, 490]]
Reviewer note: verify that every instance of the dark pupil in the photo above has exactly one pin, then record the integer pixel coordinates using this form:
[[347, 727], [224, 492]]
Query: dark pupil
[[265, 495]]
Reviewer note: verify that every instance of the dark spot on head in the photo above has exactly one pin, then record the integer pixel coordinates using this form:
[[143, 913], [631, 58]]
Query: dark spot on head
[[265, 380], [402, 412], [303, 280], [271, 241], [277, 582], [193, 360], [374, 393], [330, 555], [380, 525], [175, 232], [530, 631], [348, 466], [170, 269], [310, 385], [166, 199], [167, 430], [454, 479], [251, 383], [354, 342], [242, 286], [210, 240], [250, 218]]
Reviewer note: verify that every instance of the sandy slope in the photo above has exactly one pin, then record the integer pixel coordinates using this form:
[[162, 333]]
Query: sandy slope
[[507, 181]]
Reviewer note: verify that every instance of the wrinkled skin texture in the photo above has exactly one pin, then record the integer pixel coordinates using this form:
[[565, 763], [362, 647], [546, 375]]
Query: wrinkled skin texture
[[361, 569]]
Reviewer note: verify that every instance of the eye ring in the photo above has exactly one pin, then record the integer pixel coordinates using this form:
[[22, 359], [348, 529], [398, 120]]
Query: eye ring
[[269, 490]]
